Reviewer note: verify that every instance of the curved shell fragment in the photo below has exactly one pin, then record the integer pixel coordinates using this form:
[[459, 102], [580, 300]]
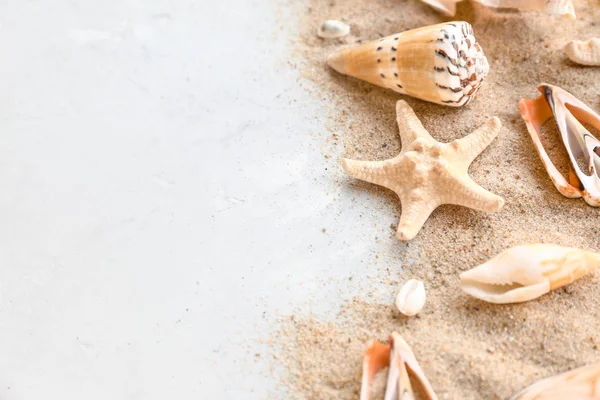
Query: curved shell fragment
[[570, 114], [581, 384], [403, 365], [411, 298], [440, 63], [447, 7], [332, 29], [526, 272], [557, 7], [584, 52]]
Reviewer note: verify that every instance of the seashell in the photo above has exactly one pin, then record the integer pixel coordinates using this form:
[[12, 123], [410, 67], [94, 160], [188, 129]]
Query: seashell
[[557, 7], [332, 29], [402, 363], [447, 7], [569, 114], [581, 384], [527, 272], [411, 298], [441, 63], [584, 53]]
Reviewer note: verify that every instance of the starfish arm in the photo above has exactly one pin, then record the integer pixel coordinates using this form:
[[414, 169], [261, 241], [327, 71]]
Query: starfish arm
[[467, 193], [377, 172], [409, 124], [470, 146], [414, 215]]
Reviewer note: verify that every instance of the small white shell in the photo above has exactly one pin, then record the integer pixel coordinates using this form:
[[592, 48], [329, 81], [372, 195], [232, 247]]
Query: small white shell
[[584, 53], [332, 29], [411, 298]]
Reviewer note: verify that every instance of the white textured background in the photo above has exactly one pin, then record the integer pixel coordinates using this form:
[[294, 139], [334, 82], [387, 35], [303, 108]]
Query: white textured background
[[163, 194]]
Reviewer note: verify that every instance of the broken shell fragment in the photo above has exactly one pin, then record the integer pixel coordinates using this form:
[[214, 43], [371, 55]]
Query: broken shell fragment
[[411, 298], [581, 384], [584, 52], [332, 29], [403, 365], [557, 7], [441, 63], [446, 7], [570, 114], [523, 273]]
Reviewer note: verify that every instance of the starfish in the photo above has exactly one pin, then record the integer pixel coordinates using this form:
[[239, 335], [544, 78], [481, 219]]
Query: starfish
[[427, 173]]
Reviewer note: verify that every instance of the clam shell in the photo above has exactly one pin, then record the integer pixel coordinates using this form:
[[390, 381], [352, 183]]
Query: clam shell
[[570, 114], [584, 52], [441, 63], [526, 272]]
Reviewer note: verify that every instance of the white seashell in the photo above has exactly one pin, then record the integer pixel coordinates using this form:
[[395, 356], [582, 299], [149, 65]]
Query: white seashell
[[581, 384], [332, 29], [584, 53], [441, 63], [447, 7], [411, 298], [400, 359], [526, 272], [578, 141], [558, 7]]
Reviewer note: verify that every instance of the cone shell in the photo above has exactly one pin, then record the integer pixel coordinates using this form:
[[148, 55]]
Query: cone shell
[[526, 272], [441, 63]]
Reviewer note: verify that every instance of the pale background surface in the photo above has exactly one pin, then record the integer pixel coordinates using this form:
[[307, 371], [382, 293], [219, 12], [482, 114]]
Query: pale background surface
[[164, 192]]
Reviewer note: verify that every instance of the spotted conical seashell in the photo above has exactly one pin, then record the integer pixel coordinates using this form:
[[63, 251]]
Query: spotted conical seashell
[[441, 63]]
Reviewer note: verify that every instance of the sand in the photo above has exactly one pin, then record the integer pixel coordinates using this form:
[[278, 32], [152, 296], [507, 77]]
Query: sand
[[468, 349]]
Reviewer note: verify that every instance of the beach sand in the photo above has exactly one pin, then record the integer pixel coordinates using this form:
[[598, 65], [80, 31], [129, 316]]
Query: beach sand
[[469, 349]]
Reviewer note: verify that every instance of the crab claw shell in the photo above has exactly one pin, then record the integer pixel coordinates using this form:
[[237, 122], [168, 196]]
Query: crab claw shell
[[402, 363], [526, 272], [581, 384], [441, 63]]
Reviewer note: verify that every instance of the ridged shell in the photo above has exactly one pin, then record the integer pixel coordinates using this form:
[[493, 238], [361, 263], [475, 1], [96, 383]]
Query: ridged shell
[[570, 114], [584, 52], [526, 272], [441, 63]]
